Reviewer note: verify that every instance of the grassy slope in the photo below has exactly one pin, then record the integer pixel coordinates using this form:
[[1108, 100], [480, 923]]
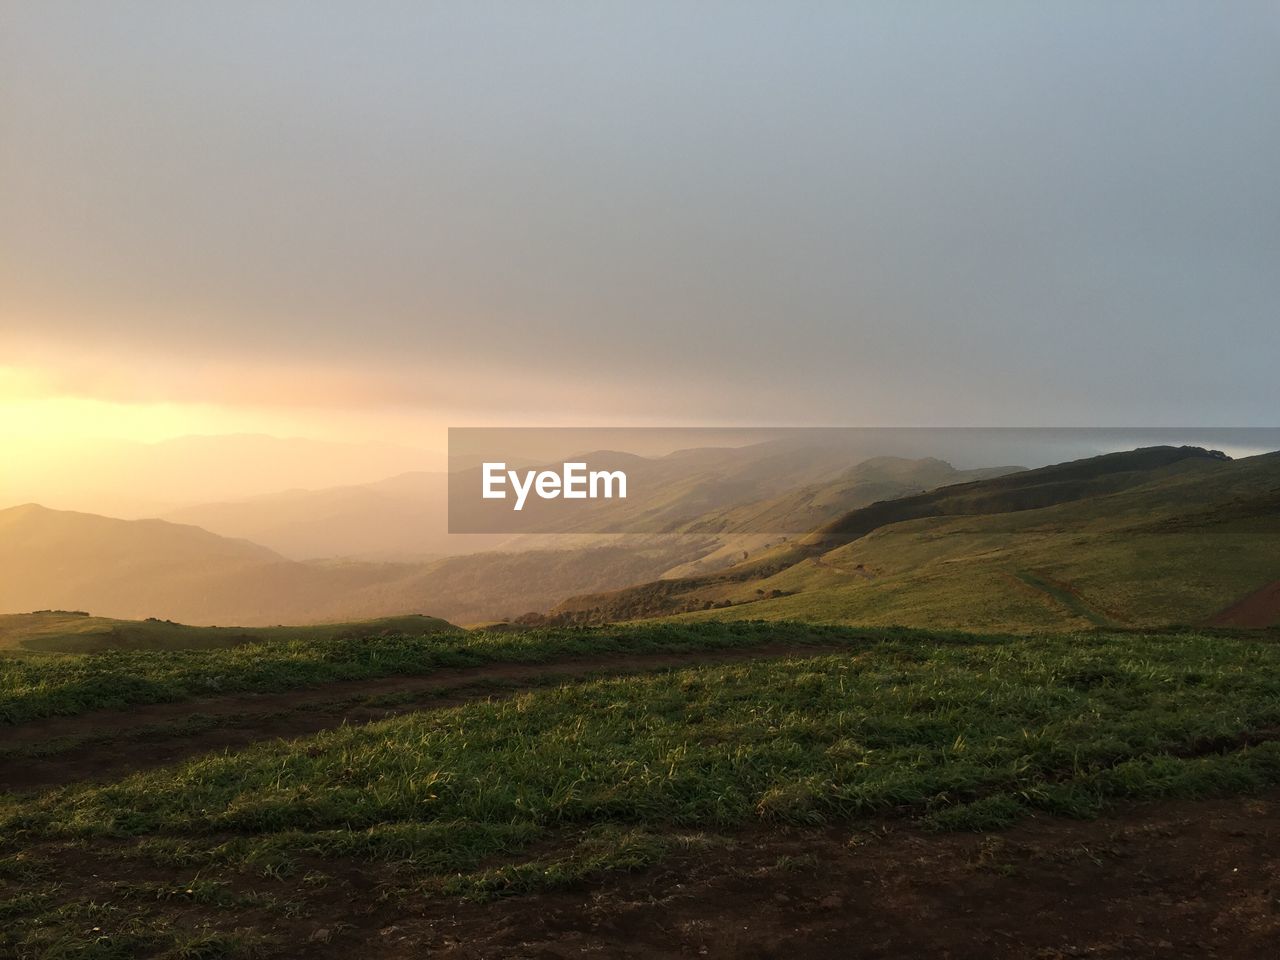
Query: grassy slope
[[1175, 550], [1173, 543], [56, 631], [550, 786], [744, 530]]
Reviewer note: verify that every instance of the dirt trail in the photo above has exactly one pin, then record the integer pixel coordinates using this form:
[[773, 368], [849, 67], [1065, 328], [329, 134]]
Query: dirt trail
[[1258, 609], [1066, 596], [1177, 880], [119, 742], [1173, 880]]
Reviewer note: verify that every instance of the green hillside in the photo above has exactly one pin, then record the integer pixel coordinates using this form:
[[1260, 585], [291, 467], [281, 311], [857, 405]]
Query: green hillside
[[1152, 537], [67, 631]]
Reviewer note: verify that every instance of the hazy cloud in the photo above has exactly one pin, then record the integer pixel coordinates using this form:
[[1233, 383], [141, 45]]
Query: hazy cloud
[[876, 213]]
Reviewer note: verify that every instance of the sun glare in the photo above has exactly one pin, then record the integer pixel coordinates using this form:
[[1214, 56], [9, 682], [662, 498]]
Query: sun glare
[[32, 408]]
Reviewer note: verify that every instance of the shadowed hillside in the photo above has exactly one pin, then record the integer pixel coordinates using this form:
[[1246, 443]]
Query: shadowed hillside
[[758, 526], [803, 509], [1032, 489], [1153, 536]]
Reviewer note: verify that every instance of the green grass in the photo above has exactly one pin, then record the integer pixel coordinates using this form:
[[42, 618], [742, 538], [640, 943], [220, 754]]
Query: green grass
[[552, 787], [64, 631], [901, 727], [1129, 559], [42, 685], [906, 728]]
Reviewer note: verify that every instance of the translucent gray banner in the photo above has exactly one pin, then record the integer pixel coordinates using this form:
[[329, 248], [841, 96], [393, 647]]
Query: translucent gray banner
[[789, 481]]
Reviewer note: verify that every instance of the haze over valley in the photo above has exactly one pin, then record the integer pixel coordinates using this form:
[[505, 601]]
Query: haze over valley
[[754, 530]]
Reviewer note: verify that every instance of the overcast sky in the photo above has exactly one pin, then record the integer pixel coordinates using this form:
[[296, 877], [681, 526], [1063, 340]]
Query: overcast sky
[[278, 215]]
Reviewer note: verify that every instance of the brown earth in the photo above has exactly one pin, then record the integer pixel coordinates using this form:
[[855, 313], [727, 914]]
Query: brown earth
[[1258, 609], [1175, 880], [108, 744], [1179, 880]]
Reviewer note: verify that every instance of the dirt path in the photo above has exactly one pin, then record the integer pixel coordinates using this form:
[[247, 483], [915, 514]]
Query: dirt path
[[1175, 880], [1184, 880], [108, 744], [1258, 609], [1065, 596]]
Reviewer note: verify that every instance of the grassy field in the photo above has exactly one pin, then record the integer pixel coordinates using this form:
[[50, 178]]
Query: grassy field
[[43, 685], [553, 786], [67, 631]]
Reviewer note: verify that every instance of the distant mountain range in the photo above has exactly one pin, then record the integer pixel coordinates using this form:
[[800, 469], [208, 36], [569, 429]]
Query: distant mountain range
[[1145, 537], [712, 491], [133, 569], [249, 563]]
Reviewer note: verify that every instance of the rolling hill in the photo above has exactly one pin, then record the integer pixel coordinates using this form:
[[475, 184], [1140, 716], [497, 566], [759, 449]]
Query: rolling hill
[[802, 509], [134, 569], [769, 487], [1150, 537], [70, 631], [663, 493], [1145, 537], [747, 529], [402, 520], [178, 571]]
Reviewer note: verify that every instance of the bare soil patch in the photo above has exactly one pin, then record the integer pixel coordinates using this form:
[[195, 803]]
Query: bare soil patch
[[1195, 879], [1258, 609]]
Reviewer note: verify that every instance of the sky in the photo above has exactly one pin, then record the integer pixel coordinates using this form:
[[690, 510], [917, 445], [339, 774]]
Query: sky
[[371, 221]]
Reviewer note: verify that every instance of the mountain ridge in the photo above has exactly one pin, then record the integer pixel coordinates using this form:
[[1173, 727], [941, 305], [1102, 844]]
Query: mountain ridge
[[840, 557]]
